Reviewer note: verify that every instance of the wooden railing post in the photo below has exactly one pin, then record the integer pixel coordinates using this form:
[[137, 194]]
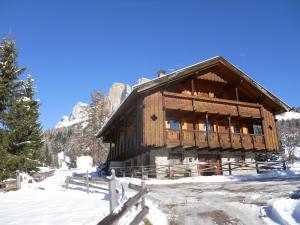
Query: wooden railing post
[[284, 165], [18, 180], [253, 141], [257, 167], [230, 133], [143, 202], [206, 128], [87, 182], [229, 167], [112, 192], [67, 182]]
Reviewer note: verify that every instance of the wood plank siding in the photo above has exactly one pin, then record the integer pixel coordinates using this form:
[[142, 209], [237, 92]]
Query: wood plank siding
[[211, 105], [153, 120]]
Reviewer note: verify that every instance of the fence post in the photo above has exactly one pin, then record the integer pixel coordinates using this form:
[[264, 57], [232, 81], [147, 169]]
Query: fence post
[[67, 182], [87, 182], [143, 198], [18, 180], [112, 192], [170, 175], [257, 168], [142, 169], [229, 167], [284, 165]]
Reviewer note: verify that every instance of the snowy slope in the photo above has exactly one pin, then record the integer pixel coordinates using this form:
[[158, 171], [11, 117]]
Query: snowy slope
[[49, 203], [288, 115]]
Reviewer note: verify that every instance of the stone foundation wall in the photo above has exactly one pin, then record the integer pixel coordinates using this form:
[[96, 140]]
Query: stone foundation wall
[[161, 157]]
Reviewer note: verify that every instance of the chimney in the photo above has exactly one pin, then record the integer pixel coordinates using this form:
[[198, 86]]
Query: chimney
[[161, 73]]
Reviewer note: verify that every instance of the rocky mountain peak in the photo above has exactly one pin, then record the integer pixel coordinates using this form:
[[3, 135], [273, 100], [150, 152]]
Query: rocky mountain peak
[[79, 114], [117, 93]]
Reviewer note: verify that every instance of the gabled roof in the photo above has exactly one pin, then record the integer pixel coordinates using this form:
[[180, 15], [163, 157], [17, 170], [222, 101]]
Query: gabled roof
[[184, 72]]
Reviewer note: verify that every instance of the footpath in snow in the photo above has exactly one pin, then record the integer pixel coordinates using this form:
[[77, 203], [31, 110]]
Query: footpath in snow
[[48, 202]]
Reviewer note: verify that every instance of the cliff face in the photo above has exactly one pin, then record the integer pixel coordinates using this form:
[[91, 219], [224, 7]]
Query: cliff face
[[79, 115], [117, 93], [72, 134]]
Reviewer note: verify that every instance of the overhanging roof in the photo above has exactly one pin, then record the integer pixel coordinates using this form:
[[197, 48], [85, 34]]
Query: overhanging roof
[[181, 73]]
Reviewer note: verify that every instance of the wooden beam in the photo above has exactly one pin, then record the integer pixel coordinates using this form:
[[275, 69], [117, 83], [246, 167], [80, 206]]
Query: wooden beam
[[233, 86], [236, 94], [229, 126], [206, 128], [193, 90], [164, 118]]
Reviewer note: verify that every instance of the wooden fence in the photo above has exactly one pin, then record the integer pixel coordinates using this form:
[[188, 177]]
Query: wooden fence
[[110, 185], [186, 170], [40, 176], [12, 184], [87, 182], [139, 199]]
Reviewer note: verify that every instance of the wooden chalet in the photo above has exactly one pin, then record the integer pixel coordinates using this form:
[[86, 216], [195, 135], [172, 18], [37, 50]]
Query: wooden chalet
[[209, 112]]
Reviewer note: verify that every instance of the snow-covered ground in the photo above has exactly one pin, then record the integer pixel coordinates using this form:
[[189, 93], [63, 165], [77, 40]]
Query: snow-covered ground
[[245, 199], [48, 202], [214, 179], [283, 211], [237, 200]]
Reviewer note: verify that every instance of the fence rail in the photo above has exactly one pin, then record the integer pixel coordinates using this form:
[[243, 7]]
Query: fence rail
[[88, 182], [11, 184], [114, 217], [40, 176], [185, 170]]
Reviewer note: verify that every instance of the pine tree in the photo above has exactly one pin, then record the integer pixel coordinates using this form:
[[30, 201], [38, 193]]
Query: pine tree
[[9, 73], [20, 131]]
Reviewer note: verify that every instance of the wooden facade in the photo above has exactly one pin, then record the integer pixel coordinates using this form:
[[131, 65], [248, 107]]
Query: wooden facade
[[209, 106]]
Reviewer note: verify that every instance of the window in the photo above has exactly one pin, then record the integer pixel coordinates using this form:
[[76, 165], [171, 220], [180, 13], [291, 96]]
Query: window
[[257, 129], [175, 158], [236, 129], [174, 124], [209, 127], [239, 158], [218, 95]]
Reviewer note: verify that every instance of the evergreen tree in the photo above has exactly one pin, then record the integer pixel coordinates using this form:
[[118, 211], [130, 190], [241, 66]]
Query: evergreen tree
[[20, 131]]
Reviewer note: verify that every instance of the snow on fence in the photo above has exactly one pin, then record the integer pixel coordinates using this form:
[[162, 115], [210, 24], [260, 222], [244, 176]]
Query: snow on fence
[[187, 170], [110, 185], [88, 182], [40, 176], [11, 184], [139, 199]]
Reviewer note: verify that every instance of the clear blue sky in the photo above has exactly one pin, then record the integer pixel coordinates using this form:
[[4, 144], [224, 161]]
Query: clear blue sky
[[74, 47]]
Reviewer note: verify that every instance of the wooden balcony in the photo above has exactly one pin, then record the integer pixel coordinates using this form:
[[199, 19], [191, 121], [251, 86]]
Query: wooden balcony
[[185, 102], [215, 140]]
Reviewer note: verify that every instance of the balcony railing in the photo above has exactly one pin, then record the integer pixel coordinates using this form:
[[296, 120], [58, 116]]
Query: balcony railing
[[213, 140], [185, 102]]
